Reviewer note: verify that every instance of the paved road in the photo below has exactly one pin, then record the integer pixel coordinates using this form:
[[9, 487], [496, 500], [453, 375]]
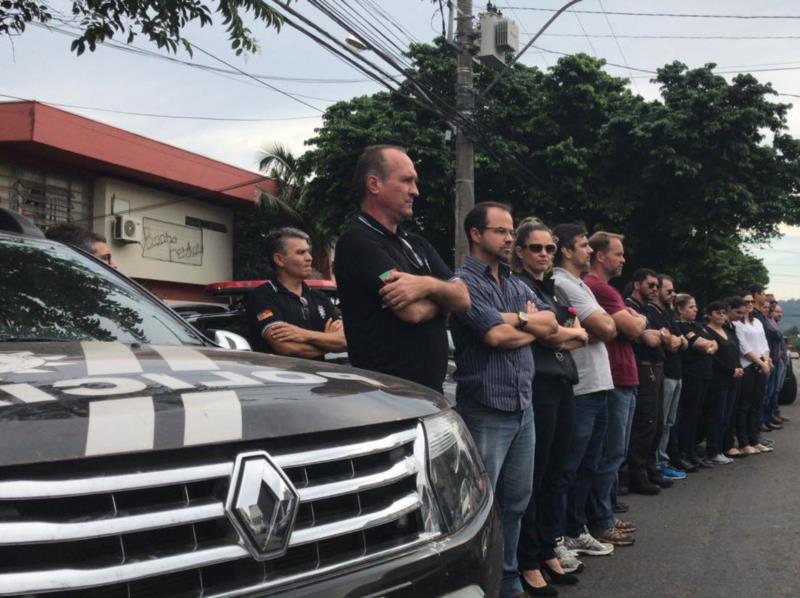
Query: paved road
[[729, 532]]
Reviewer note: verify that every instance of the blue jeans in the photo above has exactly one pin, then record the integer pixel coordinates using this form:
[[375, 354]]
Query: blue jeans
[[672, 395], [774, 385], [600, 508], [583, 458], [506, 442]]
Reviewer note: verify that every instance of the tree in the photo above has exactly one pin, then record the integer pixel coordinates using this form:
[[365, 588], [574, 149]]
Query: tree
[[162, 23], [288, 206], [688, 178]]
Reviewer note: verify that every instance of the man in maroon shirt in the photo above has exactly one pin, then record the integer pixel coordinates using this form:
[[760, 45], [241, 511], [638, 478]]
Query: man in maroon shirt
[[607, 260]]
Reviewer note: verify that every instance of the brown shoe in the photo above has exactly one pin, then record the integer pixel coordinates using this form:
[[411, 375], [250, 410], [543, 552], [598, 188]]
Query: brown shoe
[[614, 536], [626, 527]]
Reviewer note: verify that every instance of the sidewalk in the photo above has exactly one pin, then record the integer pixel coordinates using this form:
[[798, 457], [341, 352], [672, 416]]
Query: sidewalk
[[727, 532]]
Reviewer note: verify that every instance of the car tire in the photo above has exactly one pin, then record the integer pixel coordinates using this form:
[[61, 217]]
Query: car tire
[[788, 392]]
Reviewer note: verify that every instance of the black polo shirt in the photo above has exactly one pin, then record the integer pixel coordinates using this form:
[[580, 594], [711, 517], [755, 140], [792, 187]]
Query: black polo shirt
[[377, 339], [665, 318], [644, 353], [272, 303]]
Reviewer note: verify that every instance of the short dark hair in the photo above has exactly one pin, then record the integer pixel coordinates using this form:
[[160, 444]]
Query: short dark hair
[[274, 243], [601, 241], [371, 162], [642, 274], [755, 288], [715, 306], [524, 230], [71, 233], [476, 217], [566, 233], [662, 277], [735, 302]]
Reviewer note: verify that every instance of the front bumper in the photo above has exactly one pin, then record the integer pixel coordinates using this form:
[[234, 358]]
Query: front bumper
[[467, 564]]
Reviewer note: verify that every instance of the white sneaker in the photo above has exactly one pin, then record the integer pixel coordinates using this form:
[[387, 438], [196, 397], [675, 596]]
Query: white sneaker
[[567, 558], [587, 544], [721, 459]]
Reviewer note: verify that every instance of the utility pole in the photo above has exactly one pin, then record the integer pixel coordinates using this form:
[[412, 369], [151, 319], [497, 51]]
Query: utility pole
[[465, 148]]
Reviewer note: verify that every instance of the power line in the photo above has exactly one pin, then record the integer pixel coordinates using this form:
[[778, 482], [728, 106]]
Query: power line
[[664, 14], [684, 37], [619, 46]]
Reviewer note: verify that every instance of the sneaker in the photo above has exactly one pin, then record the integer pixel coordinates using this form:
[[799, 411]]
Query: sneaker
[[567, 558], [673, 474], [586, 544], [721, 459], [626, 527], [614, 537]]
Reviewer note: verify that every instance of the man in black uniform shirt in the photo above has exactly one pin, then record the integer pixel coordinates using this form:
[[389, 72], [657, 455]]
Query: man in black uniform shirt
[[645, 477], [394, 288], [284, 315]]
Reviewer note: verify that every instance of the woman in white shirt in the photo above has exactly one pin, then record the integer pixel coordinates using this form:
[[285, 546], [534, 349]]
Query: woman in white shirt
[[756, 363]]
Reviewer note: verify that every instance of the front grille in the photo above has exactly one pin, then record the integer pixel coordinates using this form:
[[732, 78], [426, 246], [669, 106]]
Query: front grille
[[128, 528]]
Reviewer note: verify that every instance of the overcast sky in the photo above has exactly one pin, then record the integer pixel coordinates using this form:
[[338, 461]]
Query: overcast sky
[[39, 65]]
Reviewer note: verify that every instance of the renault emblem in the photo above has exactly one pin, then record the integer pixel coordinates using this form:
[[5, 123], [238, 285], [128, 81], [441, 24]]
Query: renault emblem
[[262, 505]]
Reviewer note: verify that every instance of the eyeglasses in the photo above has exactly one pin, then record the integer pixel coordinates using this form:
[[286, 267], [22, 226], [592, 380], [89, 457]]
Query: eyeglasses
[[499, 230], [538, 248]]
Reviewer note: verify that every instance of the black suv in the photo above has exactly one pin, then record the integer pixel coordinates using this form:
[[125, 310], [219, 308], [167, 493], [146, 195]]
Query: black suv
[[139, 460]]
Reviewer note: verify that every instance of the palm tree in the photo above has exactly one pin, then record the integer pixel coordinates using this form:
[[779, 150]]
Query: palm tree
[[288, 206]]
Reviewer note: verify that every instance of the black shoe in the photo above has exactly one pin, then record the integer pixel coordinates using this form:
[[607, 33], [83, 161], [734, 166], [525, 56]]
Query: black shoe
[[661, 482], [686, 466], [703, 464], [707, 463], [621, 507], [561, 579], [777, 421], [546, 590], [645, 487]]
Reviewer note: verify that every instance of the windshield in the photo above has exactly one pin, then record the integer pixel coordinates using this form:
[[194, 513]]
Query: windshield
[[50, 292]]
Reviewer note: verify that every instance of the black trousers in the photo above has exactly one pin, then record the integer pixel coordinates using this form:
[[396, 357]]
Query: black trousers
[[554, 415], [693, 399], [729, 436], [647, 424], [748, 411]]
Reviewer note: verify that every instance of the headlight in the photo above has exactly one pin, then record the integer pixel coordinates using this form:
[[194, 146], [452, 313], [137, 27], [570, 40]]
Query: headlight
[[455, 470]]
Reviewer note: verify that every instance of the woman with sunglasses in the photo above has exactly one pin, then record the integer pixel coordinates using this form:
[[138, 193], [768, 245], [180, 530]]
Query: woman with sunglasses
[[755, 361], [554, 410], [725, 375], [696, 366]]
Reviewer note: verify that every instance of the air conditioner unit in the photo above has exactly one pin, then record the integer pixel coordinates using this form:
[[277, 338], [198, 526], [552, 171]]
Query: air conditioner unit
[[126, 229]]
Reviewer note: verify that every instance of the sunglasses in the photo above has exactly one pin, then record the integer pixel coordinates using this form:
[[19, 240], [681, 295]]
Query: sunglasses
[[538, 248], [652, 285]]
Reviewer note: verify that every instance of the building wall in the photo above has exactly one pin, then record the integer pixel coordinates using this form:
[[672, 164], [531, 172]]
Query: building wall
[[168, 249]]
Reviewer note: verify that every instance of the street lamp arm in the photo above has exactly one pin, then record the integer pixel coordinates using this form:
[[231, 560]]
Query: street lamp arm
[[508, 66]]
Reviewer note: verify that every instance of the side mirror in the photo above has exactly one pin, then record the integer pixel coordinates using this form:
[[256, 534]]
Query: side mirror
[[229, 340]]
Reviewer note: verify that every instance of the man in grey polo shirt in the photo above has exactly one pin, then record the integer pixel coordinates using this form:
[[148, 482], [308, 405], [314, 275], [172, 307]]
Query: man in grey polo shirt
[[591, 392]]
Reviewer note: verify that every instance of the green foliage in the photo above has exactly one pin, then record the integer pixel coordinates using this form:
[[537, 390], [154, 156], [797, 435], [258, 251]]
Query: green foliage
[[687, 179], [162, 22]]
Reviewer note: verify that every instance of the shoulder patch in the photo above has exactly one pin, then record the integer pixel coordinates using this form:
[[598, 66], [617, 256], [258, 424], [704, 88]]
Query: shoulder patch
[[267, 313]]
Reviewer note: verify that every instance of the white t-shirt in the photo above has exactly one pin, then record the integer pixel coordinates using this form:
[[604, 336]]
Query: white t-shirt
[[751, 339], [594, 369]]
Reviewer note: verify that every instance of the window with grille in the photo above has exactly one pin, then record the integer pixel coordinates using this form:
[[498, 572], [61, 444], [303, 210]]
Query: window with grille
[[45, 198]]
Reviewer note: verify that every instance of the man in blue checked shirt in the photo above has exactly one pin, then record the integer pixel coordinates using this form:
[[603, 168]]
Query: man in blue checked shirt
[[494, 369]]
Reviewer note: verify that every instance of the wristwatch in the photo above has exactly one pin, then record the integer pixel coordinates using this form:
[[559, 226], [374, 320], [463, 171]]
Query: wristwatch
[[523, 319]]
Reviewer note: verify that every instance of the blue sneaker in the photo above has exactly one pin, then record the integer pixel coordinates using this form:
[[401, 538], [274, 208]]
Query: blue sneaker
[[673, 474]]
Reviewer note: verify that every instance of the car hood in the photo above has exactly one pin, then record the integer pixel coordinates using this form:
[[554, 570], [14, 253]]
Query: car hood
[[67, 400]]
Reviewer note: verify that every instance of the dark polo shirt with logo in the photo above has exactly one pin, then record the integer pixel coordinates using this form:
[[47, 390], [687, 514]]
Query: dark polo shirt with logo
[[376, 338], [272, 303]]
